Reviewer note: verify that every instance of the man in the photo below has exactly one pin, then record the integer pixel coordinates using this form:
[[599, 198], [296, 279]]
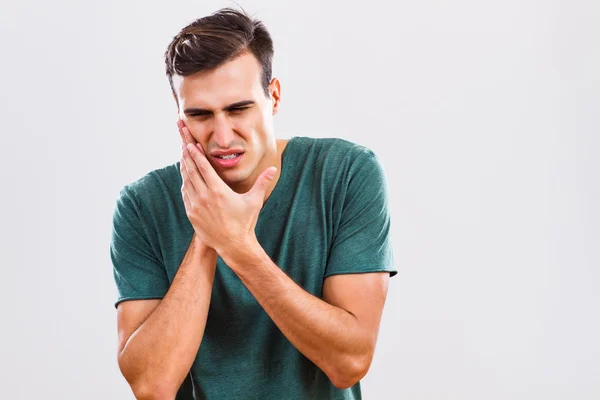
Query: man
[[253, 268]]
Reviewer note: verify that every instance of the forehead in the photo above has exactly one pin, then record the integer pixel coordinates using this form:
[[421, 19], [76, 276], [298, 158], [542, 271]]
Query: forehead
[[238, 79]]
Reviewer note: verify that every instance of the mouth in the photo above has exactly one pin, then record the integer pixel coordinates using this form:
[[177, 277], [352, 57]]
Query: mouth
[[229, 156], [228, 160]]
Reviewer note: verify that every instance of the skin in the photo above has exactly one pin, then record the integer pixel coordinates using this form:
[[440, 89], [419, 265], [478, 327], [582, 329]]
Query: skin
[[220, 128], [338, 332]]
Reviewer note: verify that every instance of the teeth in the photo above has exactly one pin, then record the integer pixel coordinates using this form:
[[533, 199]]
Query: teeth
[[229, 157]]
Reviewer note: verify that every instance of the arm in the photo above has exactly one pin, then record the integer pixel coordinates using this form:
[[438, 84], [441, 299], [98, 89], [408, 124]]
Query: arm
[[337, 333], [157, 347]]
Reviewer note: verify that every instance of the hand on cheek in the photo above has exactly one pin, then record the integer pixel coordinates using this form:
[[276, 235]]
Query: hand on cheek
[[222, 219], [184, 132]]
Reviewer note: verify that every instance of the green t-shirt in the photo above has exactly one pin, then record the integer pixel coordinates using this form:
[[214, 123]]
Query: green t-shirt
[[328, 214]]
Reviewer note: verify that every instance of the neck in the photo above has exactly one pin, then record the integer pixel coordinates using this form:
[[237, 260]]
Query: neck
[[277, 162], [272, 158]]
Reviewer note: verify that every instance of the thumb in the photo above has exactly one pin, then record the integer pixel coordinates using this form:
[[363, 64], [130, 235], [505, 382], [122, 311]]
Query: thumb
[[263, 182]]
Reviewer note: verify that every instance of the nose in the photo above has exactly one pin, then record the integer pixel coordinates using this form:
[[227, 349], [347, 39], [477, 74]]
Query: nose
[[222, 133]]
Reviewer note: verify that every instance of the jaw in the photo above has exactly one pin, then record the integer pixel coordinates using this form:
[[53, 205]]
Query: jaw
[[238, 180]]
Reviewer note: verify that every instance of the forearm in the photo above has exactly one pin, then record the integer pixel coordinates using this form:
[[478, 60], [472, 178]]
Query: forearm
[[329, 336], [159, 354]]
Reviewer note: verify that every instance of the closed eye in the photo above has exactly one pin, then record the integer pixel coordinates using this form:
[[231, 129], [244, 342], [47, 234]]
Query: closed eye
[[207, 113], [239, 109], [200, 114]]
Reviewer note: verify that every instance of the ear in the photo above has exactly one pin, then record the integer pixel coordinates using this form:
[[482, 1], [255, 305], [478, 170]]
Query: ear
[[275, 90]]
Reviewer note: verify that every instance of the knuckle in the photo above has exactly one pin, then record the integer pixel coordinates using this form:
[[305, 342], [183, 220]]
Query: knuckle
[[193, 173]]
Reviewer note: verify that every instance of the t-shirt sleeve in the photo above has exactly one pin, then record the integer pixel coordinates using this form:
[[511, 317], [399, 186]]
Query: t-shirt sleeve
[[362, 242], [137, 272]]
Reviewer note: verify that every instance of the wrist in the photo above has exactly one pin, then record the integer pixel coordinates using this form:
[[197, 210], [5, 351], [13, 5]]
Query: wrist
[[200, 248], [243, 255]]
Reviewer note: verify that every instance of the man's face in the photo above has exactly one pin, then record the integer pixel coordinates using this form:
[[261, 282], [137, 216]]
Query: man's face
[[227, 111]]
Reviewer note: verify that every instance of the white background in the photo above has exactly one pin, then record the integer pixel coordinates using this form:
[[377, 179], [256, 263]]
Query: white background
[[485, 115]]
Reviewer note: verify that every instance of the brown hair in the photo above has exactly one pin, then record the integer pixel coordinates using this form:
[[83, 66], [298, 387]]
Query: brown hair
[[213, 40]]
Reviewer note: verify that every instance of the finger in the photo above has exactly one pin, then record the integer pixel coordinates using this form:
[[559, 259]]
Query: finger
[[262, 182], [187, 135], [184, 133], [212, 179], [186, 200], [193, 171], [187, 185], [180, 125]]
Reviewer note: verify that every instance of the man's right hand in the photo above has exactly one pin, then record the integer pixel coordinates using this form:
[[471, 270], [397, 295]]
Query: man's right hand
[[186, 138]]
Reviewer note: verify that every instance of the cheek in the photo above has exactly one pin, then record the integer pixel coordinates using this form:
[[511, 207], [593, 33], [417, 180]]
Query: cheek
[[198, 130], [260, 125], [247, 129], [245, 125]]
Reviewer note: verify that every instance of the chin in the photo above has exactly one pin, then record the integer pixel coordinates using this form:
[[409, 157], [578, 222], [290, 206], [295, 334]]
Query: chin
[[234, 177]]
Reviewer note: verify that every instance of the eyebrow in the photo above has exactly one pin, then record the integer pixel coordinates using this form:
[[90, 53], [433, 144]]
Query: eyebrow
[[239, 104]]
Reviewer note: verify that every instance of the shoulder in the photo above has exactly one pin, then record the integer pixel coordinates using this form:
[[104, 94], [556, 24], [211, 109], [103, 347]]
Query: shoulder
[[152, 187], [333, 147], [335, 156], [156, 181], [339, 158]]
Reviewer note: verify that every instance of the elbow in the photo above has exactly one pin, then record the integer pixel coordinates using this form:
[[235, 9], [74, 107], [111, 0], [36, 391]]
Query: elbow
[[158, 390], [146, 387], [152, 393], [350, 371]]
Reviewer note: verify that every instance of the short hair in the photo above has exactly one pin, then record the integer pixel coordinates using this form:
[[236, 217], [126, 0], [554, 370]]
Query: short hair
[[211, 41]]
